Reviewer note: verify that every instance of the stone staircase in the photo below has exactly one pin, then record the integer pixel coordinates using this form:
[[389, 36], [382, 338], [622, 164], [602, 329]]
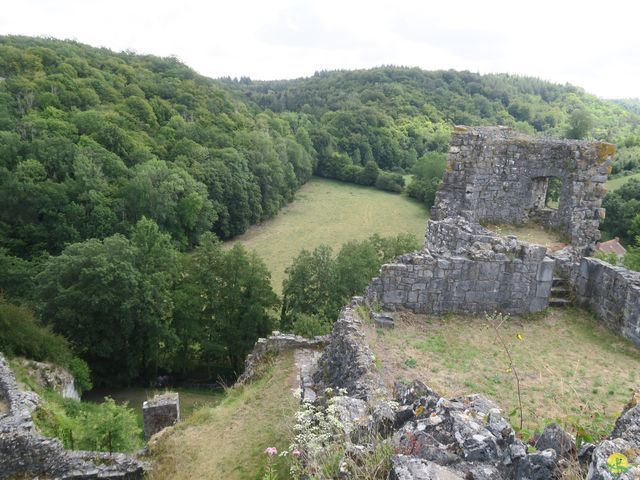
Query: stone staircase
[[560, 293]]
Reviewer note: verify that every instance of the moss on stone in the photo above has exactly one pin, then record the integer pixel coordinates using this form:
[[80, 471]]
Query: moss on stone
[[605, 150]]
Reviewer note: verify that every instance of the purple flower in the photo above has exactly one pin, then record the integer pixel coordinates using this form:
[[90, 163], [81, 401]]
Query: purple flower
[[296, 453], [271, 451]]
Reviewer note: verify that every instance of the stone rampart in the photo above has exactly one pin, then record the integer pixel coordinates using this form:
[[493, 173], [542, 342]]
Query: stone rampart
[[347, 361], [612, 293], [160, 412], [467, 269], [277, 342]]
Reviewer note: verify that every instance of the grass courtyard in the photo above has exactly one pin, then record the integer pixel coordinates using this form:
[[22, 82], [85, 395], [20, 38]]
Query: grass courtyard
[[572, 370]]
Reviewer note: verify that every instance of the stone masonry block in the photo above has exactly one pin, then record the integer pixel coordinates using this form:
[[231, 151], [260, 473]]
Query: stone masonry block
[[160, 412]]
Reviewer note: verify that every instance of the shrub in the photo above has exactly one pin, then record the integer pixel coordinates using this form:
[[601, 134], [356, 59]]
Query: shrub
[[87, 426], [81, 373], [311, 325], [22, 335], [391, 182]]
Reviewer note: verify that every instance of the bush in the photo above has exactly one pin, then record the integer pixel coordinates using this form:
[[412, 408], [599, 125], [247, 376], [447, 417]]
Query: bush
[[87, 426], [311, 325], [391, 182], [424, 190], [318, 285], [22, 335], [81, 373], [368, 175]]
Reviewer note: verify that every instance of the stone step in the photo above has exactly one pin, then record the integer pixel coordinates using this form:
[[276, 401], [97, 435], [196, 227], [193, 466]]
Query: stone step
[[559, 281], [559, 302], [560, 292]]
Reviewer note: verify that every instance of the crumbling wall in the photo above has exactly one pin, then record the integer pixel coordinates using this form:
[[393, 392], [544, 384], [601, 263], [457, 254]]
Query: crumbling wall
[[612, 293], [25, 453], [468, 269], [347, 361], [499, 175], [277, 342]]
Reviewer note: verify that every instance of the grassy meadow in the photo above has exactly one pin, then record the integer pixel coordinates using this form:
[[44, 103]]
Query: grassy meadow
[[331, 212], [616, 183], [528, 232], [572, 370]]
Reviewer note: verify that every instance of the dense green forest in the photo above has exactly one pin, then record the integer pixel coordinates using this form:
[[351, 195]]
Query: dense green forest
[[120, 174], [395, 115]]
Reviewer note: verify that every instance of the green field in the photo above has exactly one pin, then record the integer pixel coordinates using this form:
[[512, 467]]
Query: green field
[[331, 212], [616, 183]]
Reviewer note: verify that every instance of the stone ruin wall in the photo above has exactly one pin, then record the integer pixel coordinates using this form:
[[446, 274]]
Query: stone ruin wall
[[27, 454], [160, 412], [499, 175], [275, 343], [612, 293], [466, 269]]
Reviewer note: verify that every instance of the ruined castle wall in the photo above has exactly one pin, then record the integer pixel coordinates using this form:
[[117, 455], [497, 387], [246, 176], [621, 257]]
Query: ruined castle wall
[[275, 343], [347, 361], [612, 293], [466, 269], [499, 175]]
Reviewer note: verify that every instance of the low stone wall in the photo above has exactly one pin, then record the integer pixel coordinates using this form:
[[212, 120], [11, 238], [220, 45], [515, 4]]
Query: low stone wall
[[25, 453], [347, 362], [277, 342], [467, 269], [612, 293]]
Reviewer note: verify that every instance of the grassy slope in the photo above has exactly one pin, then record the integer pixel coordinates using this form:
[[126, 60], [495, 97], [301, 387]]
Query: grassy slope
[[616, 183], [228, 441], [571, 368], [331, 212]]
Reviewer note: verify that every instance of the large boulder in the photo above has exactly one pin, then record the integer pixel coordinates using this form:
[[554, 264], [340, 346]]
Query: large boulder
[[555, 438], [413, 393], [404, 467], [539, 466]]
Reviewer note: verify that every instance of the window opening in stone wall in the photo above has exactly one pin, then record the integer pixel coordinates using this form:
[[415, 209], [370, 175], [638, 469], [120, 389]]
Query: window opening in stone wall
[[546, 192], [552, 197]]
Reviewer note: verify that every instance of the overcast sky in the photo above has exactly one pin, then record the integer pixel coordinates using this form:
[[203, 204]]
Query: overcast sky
[[595, 45]]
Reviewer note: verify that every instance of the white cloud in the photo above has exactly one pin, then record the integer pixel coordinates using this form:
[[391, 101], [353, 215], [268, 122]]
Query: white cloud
[[590, 44]]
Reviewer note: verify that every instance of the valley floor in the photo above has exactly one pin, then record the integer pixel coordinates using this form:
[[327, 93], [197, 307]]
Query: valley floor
[[331, 213], [572, 370]]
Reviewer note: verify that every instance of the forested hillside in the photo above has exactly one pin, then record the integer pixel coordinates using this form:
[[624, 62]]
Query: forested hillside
[[91, 141], [395, 115]]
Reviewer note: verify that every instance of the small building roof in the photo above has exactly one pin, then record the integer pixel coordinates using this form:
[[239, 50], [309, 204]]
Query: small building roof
[[611, 246]]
